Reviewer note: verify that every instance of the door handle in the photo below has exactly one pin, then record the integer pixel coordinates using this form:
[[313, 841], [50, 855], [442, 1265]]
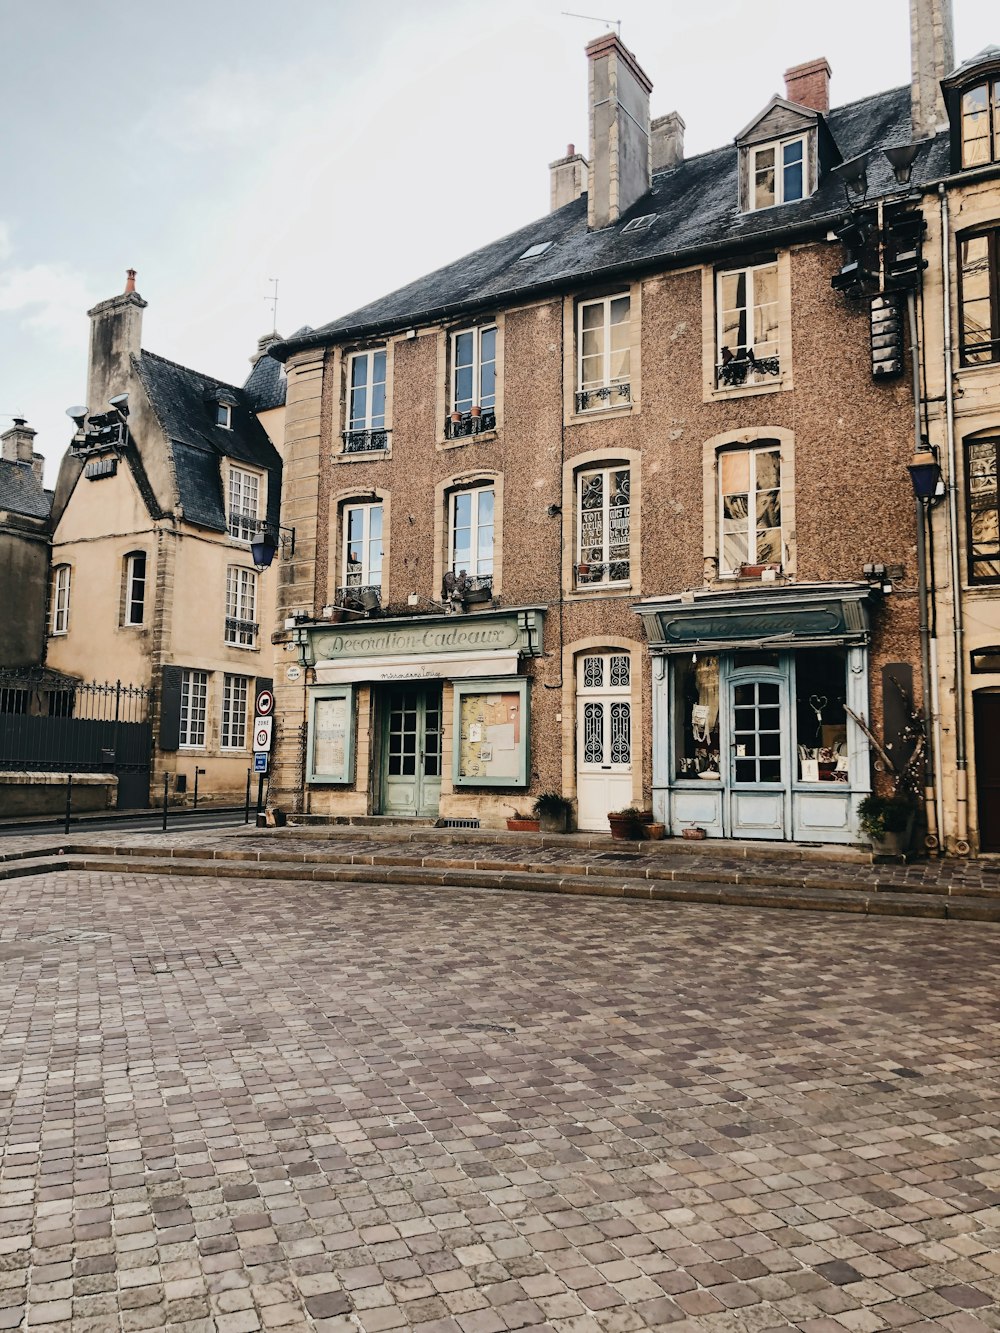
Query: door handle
[[606, 768]]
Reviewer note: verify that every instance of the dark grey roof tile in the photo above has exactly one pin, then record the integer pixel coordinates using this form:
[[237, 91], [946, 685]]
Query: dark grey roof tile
[[21, 492]]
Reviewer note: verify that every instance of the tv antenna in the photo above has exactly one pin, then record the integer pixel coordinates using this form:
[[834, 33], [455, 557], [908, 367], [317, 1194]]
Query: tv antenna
[[272, 301], [593, 18]]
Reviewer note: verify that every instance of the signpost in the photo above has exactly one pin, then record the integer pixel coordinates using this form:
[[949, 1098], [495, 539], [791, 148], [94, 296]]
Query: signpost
[[263, 731], [260, 762]]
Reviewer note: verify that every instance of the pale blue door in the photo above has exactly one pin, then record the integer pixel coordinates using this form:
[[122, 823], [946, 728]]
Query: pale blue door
[[758, 755]]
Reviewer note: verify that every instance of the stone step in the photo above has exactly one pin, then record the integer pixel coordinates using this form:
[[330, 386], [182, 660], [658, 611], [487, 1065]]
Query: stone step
[[753, 876], [549, 880], [32, 864]]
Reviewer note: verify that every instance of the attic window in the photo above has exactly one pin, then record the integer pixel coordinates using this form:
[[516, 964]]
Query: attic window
[[224, 415], [639, 224], [534, 250], [778, 173]]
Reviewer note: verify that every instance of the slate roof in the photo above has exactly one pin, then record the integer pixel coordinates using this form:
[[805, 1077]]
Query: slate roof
[[266, 386], [184, 403], [21, 492], [696, 214]]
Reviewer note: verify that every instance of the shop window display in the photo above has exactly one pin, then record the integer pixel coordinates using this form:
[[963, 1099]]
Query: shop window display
[[697, 716], [821, 719]]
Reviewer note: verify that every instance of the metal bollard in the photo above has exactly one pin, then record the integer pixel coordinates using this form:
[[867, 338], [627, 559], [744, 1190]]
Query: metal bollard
[[69, 801], [166, 780], [260, 800], [246, 812]]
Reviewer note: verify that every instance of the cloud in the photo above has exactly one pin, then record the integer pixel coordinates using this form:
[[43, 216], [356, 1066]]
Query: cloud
[[49, 298]]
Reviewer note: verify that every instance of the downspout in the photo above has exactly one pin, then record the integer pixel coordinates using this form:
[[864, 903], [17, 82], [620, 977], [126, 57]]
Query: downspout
[[961, 762], [932, 840]]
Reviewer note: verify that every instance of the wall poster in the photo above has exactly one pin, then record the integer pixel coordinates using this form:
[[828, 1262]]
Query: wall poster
[[491, 733], [331, 735]]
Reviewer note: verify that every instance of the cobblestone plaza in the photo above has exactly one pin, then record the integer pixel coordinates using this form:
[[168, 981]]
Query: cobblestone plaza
[[230, 1105]]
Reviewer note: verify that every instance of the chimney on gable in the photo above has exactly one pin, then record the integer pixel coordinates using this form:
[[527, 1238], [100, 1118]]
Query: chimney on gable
[[667, 141], [115, 336], [567, 178], [620, 155], [809, 85], [932, 57], [17, 445]]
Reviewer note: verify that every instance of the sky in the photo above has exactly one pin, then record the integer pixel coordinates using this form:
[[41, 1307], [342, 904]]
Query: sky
[[342, 148]]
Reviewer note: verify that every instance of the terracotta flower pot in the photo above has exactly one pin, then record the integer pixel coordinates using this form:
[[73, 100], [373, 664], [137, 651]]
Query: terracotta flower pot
[[522, 825]]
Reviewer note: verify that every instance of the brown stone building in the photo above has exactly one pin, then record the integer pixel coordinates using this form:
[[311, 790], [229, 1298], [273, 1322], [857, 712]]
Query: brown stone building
[[615, 506]]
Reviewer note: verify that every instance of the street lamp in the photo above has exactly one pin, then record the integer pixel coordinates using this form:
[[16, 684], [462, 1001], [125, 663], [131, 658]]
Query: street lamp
[[264, 546], [925, 475]]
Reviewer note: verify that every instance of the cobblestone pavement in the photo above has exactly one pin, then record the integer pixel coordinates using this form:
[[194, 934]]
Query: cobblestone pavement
[[230, 1105]]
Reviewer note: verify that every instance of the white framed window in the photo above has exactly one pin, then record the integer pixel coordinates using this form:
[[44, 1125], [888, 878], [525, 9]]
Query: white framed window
[[474, 369], [135, 588], [366, 396], [604, 349], [244, 504], [470, 528], [603, 516], [746, 302], [750, 510], [233, 733], [224, 415], [604, 683], [778, 173], [59, 615], [241, 607], [362, 557], [194, 708]]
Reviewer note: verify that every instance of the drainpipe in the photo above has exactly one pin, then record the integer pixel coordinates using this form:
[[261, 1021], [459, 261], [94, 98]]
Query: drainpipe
[[961, 762], [932, 840]]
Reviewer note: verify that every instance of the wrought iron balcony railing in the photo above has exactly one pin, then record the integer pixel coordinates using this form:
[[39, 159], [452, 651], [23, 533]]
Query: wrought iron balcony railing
[[745, 369], [242, 633], [589, 572], [469, 424], [243, 524], [605, 395], [365, 597], [366, 441]]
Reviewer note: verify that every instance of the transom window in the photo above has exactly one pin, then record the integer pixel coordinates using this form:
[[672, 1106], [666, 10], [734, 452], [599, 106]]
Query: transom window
[[983, 510], [135, 588], [470, 526], [604, 338], [981, 124], [59, 618], [607, 720], [366, 401], [194, 707], [747, 310], [241, 607], [778, 173], [474, 369], [244, 504], [362, 545], [749, 510], [603, 520], [979, 265], [233, 735]]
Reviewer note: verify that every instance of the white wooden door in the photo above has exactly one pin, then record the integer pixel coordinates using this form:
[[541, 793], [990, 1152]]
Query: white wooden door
[[603, 737]]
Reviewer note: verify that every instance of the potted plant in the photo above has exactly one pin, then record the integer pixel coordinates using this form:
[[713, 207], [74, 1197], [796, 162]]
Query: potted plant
[[888, 821], [553, 811], [475, 412], [518, 823], [627, 823]]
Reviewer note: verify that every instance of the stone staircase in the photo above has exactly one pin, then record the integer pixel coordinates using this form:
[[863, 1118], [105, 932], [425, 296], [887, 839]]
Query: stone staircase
[[665, 872]]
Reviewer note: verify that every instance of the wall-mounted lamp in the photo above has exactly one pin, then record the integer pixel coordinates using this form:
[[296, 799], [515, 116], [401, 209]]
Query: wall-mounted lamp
[[853, 174], [925, 475], [553, 510], [264, 545], [901, 159]]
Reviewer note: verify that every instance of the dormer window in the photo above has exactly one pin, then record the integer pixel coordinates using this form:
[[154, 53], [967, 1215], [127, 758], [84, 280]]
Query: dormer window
[[224, 416], [778, 173], [981, 124]]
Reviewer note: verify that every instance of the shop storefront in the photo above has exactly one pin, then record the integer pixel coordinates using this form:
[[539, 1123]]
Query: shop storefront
[[402, 714], [755, 701]]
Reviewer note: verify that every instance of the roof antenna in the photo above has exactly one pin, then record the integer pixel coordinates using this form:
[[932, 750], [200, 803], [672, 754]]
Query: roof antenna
[[273, 301], [593, 18]]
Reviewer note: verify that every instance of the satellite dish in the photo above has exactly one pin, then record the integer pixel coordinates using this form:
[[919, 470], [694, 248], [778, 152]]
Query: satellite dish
[[77, 414], [119, 403]]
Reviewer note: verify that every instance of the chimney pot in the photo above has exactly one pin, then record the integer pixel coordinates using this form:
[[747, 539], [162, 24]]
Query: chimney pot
[[667, 136], [809, 84], [130, 280], [17, 444], [567, 178]]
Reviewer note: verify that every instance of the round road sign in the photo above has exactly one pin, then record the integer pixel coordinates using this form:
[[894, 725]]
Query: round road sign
[[265, 703]]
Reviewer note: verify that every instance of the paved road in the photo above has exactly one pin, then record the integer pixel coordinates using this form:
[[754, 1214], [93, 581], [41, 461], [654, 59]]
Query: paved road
[[142, 822], [231, 1105]]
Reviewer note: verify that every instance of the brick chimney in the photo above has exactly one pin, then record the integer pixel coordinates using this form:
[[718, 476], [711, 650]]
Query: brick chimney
[[667, 138], [567, 178], [619, 131], [17, 445], [115, 334], [809, 84], [932, 57]]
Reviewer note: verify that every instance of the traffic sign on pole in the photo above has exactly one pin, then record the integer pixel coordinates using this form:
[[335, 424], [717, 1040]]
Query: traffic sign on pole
[[265, 703], [260, 763], [262, 728]]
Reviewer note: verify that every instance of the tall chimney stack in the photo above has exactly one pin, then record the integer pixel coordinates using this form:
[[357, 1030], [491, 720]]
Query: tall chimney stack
[[932, 57], [115, 334], [667, 141], [567, 178], [809, 84], [620, 171]]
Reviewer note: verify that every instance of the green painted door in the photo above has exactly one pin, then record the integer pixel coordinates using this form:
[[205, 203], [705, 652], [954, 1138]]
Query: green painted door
[[411, 751]]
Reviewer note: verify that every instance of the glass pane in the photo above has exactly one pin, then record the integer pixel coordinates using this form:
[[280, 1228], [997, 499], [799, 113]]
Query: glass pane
[[746, 770], [620, 365], [793, 171], [767, 692], [463, 389], [735, 472], [620, 310], [378, 406], [488, 385], [593, 315], [769, 547], [768, 468], [359, 371], [463, 349], [593, 733], [696, 718], [485, 507], [734, 551], [593, 673], [770, 770], [769, 719], [744, 694], [378, 368], [359, 407], [375, 520]]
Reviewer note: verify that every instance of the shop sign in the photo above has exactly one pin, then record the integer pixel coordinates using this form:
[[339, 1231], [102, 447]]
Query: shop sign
[[416, 639]]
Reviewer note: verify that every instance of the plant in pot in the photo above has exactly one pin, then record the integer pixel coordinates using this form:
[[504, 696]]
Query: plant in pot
[[518, 823], [627, 823], [553, 812], [887, 820]]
